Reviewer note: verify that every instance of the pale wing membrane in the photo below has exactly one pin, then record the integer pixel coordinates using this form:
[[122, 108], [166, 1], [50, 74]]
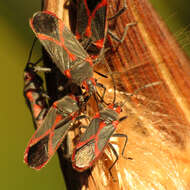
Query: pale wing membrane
[[85, 155]]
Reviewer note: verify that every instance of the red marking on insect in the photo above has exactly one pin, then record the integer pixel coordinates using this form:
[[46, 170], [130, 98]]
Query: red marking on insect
[[89, 59], [77, 35], [63, 45], [54, 105], [97, 115], [93, 81], [61, 42], [93, 57], [48, 137], [85, 85], [50, 149], [68, 73], [115, 123], [37, 110], [80, 144], [118, 109], [35, 140], [61, 27], [99, 43], [115, 108], [101, 126], [73, 97], [29, 96], [88, 32], [51, 13], [33, 90], [45, 37]]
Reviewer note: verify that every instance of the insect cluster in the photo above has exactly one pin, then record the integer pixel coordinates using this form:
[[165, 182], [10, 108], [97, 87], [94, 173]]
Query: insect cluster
[[75, 56]]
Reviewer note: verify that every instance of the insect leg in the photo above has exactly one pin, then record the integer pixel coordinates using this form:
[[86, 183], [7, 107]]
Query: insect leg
[[116, 38], [126, 139], [102, 75], [33, 66], [42, 69], [36, 68], [119, 12], [104, 90], [83, 117], [117, 157]]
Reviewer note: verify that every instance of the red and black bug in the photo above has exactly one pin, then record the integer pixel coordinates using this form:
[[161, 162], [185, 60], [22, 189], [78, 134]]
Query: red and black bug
[[34, 92], [65, 50], [49, 136], [96, 137], [92, 24]]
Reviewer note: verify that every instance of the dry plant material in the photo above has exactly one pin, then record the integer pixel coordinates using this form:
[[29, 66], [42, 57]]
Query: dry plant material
[[158, 116]]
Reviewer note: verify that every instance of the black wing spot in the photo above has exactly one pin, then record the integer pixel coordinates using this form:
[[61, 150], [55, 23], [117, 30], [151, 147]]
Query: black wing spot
[[45, 23], [38, 154]]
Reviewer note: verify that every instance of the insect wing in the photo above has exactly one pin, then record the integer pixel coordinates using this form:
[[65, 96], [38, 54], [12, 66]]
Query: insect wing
[[107, 127], [85, 151], [91, 22], [91, 131], [36, 154], [94, 140], [49, 136], [85, 156], [59, 133], [103, 137], [59, 42]]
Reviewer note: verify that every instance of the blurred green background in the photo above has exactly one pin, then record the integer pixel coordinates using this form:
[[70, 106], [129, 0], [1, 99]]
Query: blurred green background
[[16, 124]]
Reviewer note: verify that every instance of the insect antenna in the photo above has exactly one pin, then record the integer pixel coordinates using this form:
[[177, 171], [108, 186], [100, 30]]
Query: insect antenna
[[113, 80], [102, 75], [29, 63], [139, 89], [110, 73], [31, 50]]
